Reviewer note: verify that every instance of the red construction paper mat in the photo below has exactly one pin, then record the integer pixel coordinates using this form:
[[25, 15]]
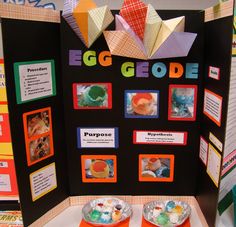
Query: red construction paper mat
[[122, 224], [147, 224]]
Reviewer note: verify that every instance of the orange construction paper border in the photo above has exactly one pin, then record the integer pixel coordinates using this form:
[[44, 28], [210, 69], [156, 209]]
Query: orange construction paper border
[[207, 114], [121, 224], [29, 139], [147, 224], [148, 179], [98, 180]]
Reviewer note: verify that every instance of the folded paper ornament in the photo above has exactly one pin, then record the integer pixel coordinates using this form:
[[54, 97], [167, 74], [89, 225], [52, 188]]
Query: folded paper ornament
[[86, 19], [141, 33]]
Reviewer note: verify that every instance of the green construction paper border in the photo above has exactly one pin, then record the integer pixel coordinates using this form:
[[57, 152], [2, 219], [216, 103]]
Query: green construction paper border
[[17, 79]]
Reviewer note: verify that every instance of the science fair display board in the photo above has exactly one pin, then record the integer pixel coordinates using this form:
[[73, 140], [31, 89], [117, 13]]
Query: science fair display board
[[143, 134], [228, 172], [33, 78], [8, 184], [122, 131], [217, 110]]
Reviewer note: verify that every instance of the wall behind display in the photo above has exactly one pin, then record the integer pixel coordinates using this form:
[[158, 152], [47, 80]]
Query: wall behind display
[[159, 4], [166, 4]]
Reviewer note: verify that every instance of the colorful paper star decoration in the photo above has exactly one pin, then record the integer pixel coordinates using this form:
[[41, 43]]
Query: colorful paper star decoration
[[141, 33], [86, 19]]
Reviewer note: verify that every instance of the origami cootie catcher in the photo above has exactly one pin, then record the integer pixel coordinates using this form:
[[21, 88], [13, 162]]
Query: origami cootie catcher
[[86, 19], [141, 33]]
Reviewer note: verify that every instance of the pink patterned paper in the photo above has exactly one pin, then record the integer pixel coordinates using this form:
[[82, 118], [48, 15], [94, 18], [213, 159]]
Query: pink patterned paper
[[135, 12]]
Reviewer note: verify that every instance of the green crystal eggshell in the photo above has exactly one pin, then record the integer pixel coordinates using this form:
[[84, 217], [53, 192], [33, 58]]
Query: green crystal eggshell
[[162, 219], [95, 215]]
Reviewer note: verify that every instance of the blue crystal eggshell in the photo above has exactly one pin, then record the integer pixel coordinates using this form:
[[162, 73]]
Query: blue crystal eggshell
[[105, 218], [170, 205], [182, 99]]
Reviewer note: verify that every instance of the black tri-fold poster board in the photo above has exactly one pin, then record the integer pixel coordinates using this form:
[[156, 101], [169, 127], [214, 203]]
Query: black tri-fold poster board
[[62, 136], [123, 79]]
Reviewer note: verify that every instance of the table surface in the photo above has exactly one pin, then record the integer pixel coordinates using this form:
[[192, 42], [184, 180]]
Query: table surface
[[71, 217]]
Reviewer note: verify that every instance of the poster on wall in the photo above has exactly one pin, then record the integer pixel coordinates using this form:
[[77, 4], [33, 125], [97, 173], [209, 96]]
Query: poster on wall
[[8, 183], [34, 80], [229, 163], [47, 4], [228, 172], [5, 134], [3, 93], [234, 36]]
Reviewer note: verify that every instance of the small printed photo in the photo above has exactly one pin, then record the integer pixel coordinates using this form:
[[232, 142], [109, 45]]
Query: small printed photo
[[182, 102], [92, 96], [38, 135], [156, 168], [39, 149], [38, 123], [141, 104], [98, 168]]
